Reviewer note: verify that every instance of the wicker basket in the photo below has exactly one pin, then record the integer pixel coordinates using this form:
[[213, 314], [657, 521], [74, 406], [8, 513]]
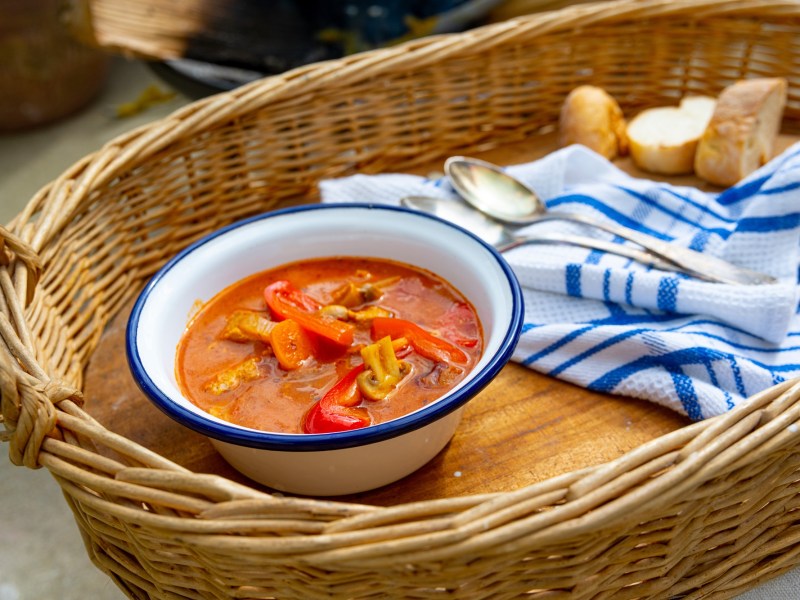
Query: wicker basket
[[707, 511]]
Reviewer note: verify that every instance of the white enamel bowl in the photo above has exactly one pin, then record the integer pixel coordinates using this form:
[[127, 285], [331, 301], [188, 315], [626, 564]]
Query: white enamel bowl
[[335, 463]]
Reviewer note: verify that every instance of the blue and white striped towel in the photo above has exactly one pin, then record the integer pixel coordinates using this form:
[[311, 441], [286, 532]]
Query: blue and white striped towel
[[613, 325]]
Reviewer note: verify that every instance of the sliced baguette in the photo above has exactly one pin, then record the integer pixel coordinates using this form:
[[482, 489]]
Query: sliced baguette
[[664, 139], [591, 117], [742, 132]]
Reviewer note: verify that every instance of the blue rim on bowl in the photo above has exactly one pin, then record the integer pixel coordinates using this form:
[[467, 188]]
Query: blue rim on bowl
[[234, 434]]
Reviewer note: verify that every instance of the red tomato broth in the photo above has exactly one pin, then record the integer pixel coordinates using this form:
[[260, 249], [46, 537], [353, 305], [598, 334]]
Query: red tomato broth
[[278, 399]]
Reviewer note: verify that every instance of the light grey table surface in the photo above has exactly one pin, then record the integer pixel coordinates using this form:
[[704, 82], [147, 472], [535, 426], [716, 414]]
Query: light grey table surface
[[41, 552]]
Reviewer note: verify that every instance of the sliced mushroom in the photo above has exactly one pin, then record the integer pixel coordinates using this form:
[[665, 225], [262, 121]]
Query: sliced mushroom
[[383, 370], [372, 291], [352, 295], [336, 311]]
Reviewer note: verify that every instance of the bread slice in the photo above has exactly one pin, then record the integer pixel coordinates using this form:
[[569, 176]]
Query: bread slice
[[741, 134], [590, 116], [664, 139]]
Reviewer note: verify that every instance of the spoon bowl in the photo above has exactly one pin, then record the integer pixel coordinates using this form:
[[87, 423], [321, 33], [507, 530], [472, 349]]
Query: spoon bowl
[[492, 191]]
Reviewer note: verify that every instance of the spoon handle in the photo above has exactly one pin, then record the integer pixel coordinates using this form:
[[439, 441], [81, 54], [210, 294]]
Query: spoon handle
[[642, 256], [699, 265]]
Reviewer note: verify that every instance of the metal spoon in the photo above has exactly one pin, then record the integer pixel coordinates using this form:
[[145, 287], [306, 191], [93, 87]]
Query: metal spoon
[[504, 239], [492, 191]]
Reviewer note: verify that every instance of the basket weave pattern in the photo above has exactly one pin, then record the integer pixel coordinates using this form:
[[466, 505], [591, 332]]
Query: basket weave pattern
[[707, 511]]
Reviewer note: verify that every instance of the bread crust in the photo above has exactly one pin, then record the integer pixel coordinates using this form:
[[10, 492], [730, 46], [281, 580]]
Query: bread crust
[[742, 132], [592, 117]]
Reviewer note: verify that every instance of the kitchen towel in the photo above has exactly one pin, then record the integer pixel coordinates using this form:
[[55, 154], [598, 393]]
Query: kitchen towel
[[613, 325]]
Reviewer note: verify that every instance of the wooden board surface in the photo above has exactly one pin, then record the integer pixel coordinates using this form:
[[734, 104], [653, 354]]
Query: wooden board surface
[[523, 428]]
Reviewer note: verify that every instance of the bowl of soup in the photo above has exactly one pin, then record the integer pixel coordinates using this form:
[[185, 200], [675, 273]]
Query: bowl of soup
[[326, 349]]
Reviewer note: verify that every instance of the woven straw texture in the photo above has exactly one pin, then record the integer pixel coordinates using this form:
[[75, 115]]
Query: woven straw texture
[[707, 511]]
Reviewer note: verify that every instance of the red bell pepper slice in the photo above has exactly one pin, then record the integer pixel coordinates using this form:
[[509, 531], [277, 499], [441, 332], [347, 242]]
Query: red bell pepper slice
[[424, 342], [337, 410], [282, 293], [287, 302]]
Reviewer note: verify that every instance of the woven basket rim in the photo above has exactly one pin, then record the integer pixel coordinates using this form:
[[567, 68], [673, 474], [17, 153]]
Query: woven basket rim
[[150, 138]]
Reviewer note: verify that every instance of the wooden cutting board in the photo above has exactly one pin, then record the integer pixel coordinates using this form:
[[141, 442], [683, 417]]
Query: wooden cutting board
[[523, 428]]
